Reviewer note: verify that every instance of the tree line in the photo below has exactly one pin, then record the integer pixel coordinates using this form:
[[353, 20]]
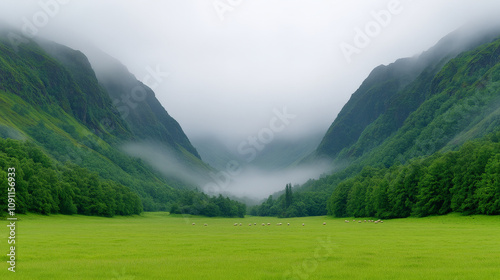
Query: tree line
[[45, 187], [465, 181], [292, 204], [198, 203]]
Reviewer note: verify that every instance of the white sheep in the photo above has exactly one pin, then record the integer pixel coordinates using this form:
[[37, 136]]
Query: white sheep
[[194, 224], [324, 223], [288, 223], [254, 224], [235, 224], [263, 224], [205, 224], [268, 224], [303, 224]]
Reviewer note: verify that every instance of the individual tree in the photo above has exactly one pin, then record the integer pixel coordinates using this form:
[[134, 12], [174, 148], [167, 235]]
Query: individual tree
[[288, 195]]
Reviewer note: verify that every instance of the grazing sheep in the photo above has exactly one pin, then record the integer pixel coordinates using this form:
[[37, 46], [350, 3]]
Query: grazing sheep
[[194, 224], [288, 223], [250, 225], [263, 224], [346, 221], [240, 224], [268, 224], [324, 223], [353, 220], [205, 224], [254, 224], [381, 222], [303, 224], [376, 222], [235, 224], [364, 221], [359, 222]]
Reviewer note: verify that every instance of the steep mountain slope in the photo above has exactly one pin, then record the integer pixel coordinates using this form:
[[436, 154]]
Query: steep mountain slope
[[417, 142], [462, 104], [135, 102], [391, 93], [51, 96]]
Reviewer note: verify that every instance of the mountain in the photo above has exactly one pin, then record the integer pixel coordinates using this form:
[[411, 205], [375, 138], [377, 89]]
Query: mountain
[[419, 137], [390, 94], [81, 128]]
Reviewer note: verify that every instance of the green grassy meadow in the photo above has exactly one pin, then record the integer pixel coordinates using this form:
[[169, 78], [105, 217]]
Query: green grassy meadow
[[162, 246]]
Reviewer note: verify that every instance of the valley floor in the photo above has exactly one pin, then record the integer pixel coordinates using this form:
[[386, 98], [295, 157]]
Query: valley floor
[[162, 246]]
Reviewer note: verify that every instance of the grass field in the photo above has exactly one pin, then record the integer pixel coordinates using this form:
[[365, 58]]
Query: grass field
[[159, 246]]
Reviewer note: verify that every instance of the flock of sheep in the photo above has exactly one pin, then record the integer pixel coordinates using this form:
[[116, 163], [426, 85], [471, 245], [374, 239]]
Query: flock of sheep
[[303, 224], [263, 224], [369, 221]]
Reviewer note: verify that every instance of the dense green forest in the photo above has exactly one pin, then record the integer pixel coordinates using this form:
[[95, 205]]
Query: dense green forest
[[198, 203], [465, 181], [45, 186], [42, 186]]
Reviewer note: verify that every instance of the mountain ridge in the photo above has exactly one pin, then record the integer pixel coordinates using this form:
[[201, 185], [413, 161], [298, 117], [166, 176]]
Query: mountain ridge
[[386, 99], [51, 97]]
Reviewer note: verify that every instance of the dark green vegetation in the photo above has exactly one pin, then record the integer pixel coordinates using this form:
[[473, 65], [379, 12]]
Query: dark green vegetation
[[44, 187], [195, 203], [406, 142], [465, 181], [303, 204], [51, 97]]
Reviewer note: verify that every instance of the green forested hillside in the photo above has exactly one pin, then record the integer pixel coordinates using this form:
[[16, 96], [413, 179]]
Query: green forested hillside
[[400, 122], [44, 187], [51, 97], [391, 93], [137, 104]]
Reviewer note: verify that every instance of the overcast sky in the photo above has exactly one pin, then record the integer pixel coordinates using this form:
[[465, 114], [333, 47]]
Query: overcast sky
[[232, 62]]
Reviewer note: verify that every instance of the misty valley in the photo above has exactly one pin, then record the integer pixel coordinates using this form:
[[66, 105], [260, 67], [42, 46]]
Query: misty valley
[[409, 165]]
